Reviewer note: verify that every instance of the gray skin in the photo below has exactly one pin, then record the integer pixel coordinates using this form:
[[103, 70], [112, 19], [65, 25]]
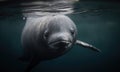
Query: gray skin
[[49, 37]]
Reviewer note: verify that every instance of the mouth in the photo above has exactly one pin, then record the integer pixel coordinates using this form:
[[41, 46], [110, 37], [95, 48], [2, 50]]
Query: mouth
[[60, 44]]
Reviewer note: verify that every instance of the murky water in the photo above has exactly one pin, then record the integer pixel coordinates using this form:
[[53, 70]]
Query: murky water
[[97, 23]]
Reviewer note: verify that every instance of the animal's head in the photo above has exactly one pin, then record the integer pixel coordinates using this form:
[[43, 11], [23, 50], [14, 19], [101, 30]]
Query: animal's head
[[60, 33]]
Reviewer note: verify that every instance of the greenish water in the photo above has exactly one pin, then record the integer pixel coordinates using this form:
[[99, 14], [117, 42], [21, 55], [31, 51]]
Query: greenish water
[[101, 29]]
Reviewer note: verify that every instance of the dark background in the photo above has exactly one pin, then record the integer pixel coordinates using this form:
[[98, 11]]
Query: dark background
[[99, 26]]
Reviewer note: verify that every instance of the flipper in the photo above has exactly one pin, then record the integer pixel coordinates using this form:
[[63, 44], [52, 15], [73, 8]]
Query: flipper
[[35, 59], [86, 45], [26, 56], [32, 64]]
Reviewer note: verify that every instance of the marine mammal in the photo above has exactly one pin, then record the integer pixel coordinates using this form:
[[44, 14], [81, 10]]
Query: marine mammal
[[49, 37]]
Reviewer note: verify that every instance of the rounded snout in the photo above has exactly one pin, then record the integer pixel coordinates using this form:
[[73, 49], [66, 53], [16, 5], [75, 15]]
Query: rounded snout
[[60, 41]]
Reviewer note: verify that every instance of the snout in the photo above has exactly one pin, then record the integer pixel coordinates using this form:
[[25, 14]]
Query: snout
[[61, 40]]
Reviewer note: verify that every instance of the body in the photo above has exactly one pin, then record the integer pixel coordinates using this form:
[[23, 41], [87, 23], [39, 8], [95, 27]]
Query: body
[[49, 37], [33, 36]]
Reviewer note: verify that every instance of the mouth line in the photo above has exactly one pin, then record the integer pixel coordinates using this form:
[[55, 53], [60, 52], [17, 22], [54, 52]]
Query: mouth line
[[52, 44], [55, 42]]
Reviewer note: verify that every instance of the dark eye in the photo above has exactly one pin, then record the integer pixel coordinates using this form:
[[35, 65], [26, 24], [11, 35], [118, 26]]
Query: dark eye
[[46, 34], [72, 31]]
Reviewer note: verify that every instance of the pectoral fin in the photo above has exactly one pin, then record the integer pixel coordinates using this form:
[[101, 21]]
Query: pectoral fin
[[86, 45]]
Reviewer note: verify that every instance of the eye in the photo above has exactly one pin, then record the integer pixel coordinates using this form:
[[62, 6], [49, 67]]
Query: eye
[[72, 31], [46, 34]]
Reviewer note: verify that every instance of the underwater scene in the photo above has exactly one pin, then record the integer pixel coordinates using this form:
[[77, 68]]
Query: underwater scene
[[97, 22]]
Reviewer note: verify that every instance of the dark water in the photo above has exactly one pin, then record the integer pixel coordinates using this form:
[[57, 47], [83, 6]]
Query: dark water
[[98, 23]]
